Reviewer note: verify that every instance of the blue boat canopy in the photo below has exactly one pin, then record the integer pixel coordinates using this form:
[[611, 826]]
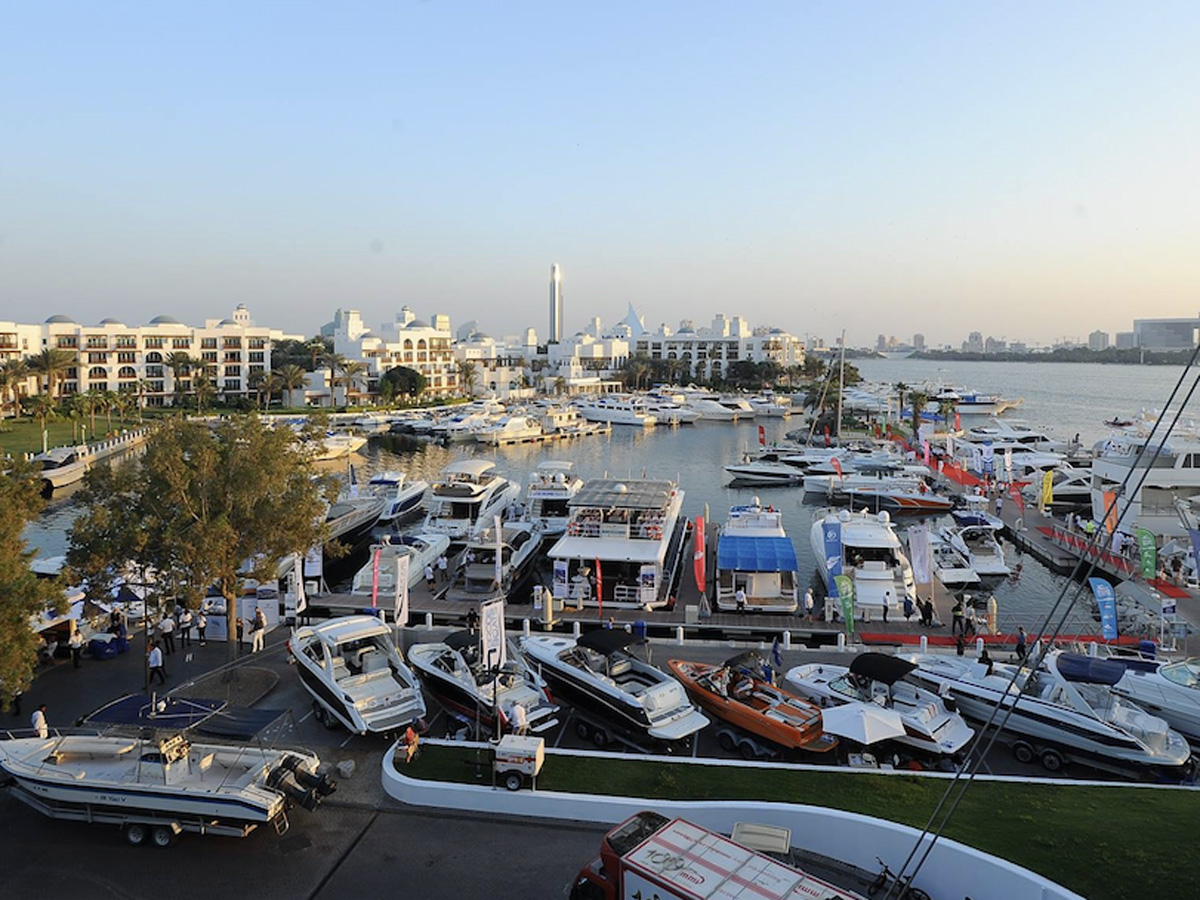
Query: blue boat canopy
[[1086, 669], [742, 553]]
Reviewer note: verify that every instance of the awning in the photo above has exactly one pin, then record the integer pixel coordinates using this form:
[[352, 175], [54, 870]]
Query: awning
[[741, 553]]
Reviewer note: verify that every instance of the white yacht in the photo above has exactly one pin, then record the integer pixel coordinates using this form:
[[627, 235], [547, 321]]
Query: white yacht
[[356, 676], [979, 545], [968, 402], [949, 565], [351, 517], [625, 527], [1064, 710], [879, 679], [721, 409], [771, 406], [509, 429], [62, 466], [479, 578], [378, 577], [864, 547], [755, 556], [669, 409], [975, 511], [1167, 689], [466, 497], [401, 497], [616, 410], [551, 487], [764, 468], [1071, 488], [1008, 431], [335, 445]]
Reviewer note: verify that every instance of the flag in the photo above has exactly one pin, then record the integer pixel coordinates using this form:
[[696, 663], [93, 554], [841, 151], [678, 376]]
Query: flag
[[499, 573], [1110, 512], [958, 421], [1008, 463], [1149, 553], [762, 436], [925, 452], [1015, 491], [1195, 536], [400, 600], [776, 653], [844, 586], [837, 467], [1107, 602], [1047, 489], [698, 564], [599, 590], [833, 551], [922, 554], [375, 576], [492, 644], [950, 445]]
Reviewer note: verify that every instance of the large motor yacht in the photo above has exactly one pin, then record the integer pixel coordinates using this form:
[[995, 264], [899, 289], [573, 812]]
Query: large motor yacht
[[466, 497], [864, 547], [552, 486], [756, 557]]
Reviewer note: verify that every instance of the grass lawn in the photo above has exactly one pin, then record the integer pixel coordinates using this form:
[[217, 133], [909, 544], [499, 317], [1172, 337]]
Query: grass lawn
[[1104, 843]]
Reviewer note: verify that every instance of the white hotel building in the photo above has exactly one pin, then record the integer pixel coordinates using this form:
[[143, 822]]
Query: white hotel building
[[408, 341], [708, 352], [112, 356]]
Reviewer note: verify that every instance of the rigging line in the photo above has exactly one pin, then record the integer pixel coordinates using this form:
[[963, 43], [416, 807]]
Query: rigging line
[[1040, 651]]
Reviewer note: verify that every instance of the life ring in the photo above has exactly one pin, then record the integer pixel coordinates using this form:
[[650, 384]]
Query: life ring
[[573, 528]]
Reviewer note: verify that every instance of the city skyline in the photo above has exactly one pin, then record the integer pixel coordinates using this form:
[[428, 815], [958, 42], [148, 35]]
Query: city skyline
[[944, 169]]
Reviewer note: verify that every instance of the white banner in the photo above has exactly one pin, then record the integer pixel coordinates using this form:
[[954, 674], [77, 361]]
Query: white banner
[[499, 576], [560, 579], [493, 645], [1008, 462], [401, 599], [921, 552], [647, 585], [314, 562]]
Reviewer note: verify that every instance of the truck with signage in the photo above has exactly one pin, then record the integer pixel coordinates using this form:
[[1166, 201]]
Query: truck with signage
[[651, 857]]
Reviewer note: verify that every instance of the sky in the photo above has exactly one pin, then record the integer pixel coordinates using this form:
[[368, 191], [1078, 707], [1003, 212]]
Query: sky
[[1023, 169]]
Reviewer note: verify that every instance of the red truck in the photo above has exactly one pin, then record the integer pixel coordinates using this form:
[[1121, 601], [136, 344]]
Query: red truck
[[651, 857]]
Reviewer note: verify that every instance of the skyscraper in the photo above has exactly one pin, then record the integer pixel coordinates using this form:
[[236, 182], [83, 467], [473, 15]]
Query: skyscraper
[[556, 305]]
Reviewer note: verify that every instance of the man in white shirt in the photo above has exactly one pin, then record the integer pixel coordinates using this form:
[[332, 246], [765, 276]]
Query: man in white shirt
[[808, 604], [258, 631], [739, 599], [442, 564], [155, 662], [76, 645], [167, 629], [520, 719], [38, 721]]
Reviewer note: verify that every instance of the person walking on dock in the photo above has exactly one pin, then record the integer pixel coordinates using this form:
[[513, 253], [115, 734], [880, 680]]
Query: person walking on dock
[[155, 661], [258, 631], [442, 564], [167, 629], [429, 580], [808, 604], [1020, 642], [76, 645], [38, 722], [956, 617], [999, 504], [186, 622], [201, 627]]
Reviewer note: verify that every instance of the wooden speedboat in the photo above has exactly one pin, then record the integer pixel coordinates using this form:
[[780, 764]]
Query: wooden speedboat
[[728, 692]]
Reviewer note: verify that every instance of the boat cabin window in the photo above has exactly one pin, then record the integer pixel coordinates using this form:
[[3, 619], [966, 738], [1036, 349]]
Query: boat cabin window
[[1186, 673]]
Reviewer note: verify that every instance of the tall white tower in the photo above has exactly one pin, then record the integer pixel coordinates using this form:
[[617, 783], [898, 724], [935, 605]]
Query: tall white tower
[[556, 304]]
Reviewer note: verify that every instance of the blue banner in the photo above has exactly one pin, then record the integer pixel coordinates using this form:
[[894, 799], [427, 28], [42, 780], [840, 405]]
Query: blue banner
[[1107, 601], [833, 551], [1195, 536]]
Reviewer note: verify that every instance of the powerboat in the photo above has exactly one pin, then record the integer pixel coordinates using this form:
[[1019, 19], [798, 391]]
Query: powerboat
[[479, 578], [351, 517], [877, 679], [755, 556], [453, 672], [1170, 690], [1014, 432], [764, 468], [863, 546], [335, 445], [1071, 489], [378, 577], [617, 693], [551, 487], [974, 511], [401, 497], [617, 410], [1063, 710], [356, 676], [730, 693], [949, 565], [466, 497], [509, 429], [1141, 472], [62, 466], [153, 770], [979, 545], [624, 529], [771, 406]]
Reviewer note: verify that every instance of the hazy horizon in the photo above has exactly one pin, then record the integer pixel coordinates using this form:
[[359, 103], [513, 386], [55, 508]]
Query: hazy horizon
[[1023, 170]]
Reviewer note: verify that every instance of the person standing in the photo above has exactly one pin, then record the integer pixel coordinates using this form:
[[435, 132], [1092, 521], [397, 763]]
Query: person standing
[[739, 599], [167, 629], [155, 661], [429, 579], [956, 617], [1020, 642], [472, 620], [38, 722], [76, 645], [999, 505], [887, 602], [258, 631], [201, 627], [186, 621], [442, 564], [808, 604]]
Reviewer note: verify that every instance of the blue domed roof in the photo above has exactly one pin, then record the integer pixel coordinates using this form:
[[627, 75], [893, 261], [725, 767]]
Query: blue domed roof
[[165, 320], [777, 331], [687, 331], [417, 323], [111, 321], [60, 319], [227, 322]]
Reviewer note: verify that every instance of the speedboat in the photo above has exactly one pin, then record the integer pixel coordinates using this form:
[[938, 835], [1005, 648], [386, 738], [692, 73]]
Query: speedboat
[[1170, 690], [1070, 488], [771, 406], [980, 547], [351, 517], [153, 770], [509, 430], [479, 578], [466, 497], [951, 567], [356, 676], [552, 485], [401, 497], [863, 546], [62, 466], [1063, 710], [624, 528], [617, 693], [378, 577], [1014, 432], [335, 445], [878, 679], [453, 672], [755, 556], [733, 695], [764, 469], [974, 511]]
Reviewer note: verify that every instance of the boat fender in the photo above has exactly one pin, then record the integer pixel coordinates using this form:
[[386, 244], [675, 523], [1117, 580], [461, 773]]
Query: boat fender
[[655, 532], [1019, 525]]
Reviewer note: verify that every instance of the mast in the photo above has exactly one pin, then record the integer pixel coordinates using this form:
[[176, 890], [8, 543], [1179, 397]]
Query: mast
[[841, 387]]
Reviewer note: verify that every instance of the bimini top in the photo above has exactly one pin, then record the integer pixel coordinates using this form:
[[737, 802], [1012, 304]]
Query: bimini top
[[1076, 667], [742, 553], [215, 718], [607, 640], [881, 667], [606, 493], [476, 468]]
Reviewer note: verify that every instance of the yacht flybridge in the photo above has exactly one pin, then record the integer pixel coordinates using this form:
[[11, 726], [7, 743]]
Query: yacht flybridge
[[756, 562], [864, 547], [466, 497], [552, 485]]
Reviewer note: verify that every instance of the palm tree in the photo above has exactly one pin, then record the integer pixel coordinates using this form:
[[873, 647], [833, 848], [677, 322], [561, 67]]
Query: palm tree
[[918, 399], [336, 363], [180, 364], [13, 375], [140, 387], [317, 347], [124, 401], [51, 367], [291, 378], [901, 390], [93, 403], [560, 385], [351, 371], [467, 376], [40, 407], [203, 390]]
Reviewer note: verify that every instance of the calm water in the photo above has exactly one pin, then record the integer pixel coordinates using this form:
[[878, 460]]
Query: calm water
[[1069, 398]]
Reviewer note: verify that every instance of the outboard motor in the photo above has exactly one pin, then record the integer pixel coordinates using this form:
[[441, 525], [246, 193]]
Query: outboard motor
[[322, 784]]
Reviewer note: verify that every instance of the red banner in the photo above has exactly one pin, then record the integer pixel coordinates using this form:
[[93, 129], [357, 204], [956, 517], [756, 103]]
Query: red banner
[[1015, 490], [599, 590], [698, 565], [762, 436]]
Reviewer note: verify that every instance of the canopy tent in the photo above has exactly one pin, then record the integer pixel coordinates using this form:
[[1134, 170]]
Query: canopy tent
[[881, 667], [742, 553], [862, 722]]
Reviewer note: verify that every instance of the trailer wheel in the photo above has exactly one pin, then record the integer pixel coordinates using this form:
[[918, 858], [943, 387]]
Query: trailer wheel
[[163, 836], [324, 716], [600, 738], [583, 730], [725, 739], [513, 781], [136, 834], [746, 751], [1023, 752], [1052, 761]]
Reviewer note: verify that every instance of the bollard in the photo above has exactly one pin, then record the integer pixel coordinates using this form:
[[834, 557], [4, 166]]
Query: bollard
[[787, 640], [679, 635], [924, 643], [428, 620], [841, 642], [575, 629], [978, 645], [762, 645], [1093, 650], [525, 627]]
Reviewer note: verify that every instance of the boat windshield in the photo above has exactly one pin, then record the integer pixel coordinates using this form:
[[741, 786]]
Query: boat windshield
[[1185, 673]]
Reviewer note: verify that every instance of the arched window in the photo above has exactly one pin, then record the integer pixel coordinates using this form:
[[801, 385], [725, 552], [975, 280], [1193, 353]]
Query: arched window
[[97, 372], [127, 372], [408, 344], [421, 344], [154, 357]]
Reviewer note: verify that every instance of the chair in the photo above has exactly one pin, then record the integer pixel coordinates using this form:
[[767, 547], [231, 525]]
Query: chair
[[340, 669]]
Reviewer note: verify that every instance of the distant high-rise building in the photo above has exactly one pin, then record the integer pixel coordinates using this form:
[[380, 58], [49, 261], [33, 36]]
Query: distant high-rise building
[[556, 304], [1166, 334], [1126, 340], [974, 343], [918, 342], [1097, 341], [881, 342]]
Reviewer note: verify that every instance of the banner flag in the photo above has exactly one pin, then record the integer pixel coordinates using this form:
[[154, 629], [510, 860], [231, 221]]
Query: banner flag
[[1107, 601], [925, 453], [762, 436], [1008, 463], [1017, 498], [1149, 553], [698, 563], [1047, 489], [988, 455], [559, 581], [375, 576], [837, 467], [1110, 511], [922, 554], [499, 573], [844, 586], [833, 552], [493, 646], [400, 601], [599, 589]]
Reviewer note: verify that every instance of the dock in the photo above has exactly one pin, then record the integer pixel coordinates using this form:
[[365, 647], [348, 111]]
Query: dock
[[546, 437]]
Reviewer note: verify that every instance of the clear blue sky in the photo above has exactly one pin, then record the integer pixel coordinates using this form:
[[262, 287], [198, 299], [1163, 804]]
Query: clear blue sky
[[1023, 169]]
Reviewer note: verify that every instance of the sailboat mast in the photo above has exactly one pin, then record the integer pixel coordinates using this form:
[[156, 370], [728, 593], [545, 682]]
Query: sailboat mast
[[841, 386]]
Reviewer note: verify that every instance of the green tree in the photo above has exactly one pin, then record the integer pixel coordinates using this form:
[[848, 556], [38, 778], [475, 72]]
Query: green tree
[[51, 367], [40, 407], [291, 378], [181, 364], [918, 399], [353, 371], [467, 376], [13, 375], [205, 507], [318, 347], [204, 391], [22, 594], [407, 382]]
